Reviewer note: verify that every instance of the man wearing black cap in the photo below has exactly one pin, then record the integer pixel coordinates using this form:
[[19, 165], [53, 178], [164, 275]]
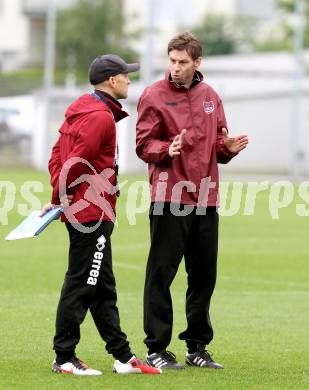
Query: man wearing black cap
[[83, 169]]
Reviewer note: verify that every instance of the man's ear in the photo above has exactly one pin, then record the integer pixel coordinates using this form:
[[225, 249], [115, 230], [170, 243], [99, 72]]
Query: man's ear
[[197, 62], [112, 82]]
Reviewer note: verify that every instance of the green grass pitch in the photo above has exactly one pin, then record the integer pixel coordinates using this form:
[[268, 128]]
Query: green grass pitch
[[260, 309]]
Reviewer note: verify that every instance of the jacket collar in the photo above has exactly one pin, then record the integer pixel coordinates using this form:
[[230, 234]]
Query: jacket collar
[[113, 105], [197, 78]]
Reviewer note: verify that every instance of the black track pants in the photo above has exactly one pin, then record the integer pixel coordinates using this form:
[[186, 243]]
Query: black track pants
[[89, 284], [196, 238]]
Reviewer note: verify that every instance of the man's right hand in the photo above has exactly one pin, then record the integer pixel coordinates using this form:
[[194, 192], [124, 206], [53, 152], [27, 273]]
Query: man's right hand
[[174, 149], [66, 200]]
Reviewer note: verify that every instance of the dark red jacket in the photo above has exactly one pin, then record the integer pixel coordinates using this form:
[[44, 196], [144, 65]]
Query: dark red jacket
[[164, 110], [88, 133]]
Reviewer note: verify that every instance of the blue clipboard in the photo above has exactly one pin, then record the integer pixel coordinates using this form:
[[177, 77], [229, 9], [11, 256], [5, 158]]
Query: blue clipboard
[[33, 225]]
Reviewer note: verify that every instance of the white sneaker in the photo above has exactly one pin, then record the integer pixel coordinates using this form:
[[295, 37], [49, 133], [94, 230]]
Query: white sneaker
[[134, 366], [74, 366]]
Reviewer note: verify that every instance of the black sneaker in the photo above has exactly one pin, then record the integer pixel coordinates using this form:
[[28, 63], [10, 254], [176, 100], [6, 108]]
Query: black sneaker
[[74, 366], [163, 360], [202, 359]]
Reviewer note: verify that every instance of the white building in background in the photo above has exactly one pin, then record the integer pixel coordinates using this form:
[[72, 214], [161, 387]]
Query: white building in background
[[13, 35], [262, 8], [22, 32]]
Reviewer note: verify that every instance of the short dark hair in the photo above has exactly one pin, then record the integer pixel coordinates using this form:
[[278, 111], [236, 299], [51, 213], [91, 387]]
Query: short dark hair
[[186, 41]]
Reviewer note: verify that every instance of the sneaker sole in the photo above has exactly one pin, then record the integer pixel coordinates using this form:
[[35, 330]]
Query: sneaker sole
[[137, 372], [59, 371]]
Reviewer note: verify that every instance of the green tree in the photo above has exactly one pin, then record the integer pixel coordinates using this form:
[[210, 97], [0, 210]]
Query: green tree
[[281, 37], [288, 7], [226, 35], [90, 28], [216, 35]]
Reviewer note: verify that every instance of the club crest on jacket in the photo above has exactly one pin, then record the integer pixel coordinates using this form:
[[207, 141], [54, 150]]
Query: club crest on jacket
[[209, 107]]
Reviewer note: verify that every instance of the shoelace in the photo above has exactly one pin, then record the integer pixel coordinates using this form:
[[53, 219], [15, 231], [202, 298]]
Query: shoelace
[[168, 356], [205, 354], [79, 364]]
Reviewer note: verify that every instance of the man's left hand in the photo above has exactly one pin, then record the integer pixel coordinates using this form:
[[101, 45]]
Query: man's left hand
[[65, 201], [236, 143], [46, 208]]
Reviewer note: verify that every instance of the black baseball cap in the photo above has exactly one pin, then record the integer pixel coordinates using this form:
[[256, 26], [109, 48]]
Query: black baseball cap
[[105, 66]]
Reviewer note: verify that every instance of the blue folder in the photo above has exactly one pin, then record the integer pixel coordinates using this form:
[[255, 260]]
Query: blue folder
[[33, 225]]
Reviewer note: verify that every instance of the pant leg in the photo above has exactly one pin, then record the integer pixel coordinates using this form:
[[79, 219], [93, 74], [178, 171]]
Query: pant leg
[[201, 267], [105, 312], [168, 240], [83, 289]]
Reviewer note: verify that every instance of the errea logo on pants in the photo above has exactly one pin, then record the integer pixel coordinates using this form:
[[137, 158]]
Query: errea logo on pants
[[96, 262], [101, 243]]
